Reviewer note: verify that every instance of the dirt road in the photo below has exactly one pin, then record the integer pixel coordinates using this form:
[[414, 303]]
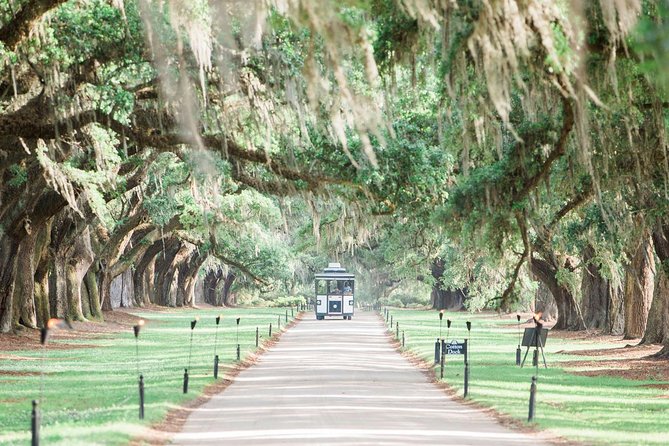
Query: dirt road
[[337, 382]]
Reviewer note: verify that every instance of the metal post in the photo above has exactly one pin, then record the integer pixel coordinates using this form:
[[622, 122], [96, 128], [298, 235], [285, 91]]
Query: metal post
[[391, 321], [34, 424], [257, 336], [441, 374], [397, 330], [466, 379], [278, 324], [535, 358], [518, 355], [216, 367], [286, 315], [239, 357], [403, 344], [436, 351], [533, 393], [185, 380], [141, 397], [466, 368], [270, 329]]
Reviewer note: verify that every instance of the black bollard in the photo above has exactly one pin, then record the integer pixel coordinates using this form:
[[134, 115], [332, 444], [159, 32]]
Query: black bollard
[[286, 315], [533, 393], [216, 367], [239, 357], [391, 321], [518, 362], [441, 374], [436, 351], [34, 424], [278, 324], [141, 397], [185, 380], [270, 330], [466, 379], [535, 358], [403, 344], [257, 337], [397, 330]]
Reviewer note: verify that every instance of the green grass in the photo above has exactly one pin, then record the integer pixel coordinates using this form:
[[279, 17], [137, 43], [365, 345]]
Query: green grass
[[90, 389], [595, 410]]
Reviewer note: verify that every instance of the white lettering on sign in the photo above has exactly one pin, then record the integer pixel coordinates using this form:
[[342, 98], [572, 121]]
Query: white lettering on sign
[[456, 348]]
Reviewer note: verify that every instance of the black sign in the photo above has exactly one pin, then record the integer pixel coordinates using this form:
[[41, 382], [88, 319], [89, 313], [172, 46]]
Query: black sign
[[530, 337], [456, 348]]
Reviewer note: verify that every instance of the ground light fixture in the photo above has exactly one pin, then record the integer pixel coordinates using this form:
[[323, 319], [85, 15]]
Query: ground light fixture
[[193, 323], [218, 321], [136, 329], [238, 349]]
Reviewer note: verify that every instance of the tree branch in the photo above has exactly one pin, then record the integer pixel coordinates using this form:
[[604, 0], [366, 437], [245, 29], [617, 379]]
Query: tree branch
[[19, 27]]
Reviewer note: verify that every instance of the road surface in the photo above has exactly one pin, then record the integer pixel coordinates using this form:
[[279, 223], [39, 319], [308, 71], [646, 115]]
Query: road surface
[[338, 382]]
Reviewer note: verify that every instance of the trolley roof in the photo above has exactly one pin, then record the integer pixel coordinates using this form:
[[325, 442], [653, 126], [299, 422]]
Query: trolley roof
[[335, 271]]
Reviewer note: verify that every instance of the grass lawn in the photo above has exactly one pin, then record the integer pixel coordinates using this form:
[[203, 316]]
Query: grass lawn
[[90, 389], [594, 409]]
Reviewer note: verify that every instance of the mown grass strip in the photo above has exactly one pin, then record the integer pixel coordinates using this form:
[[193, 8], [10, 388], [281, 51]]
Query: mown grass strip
[[90, 383], [597, 410]]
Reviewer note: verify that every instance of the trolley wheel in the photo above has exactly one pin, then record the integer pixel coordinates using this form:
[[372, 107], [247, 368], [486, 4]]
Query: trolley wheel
[[349, 318], [345, 317]]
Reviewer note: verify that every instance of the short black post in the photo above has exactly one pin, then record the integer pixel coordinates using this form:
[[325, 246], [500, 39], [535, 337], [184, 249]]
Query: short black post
[[239, 357], [535, 358], [257, 337], [141, 397], [270, 330], [403, 344], [397, 330], [518, 352], [278, 324], [533, 393], [286, 315], [441, 374], [292, 313], [218, 321], [436, 351], [391, 321], [185, 381], [34, 424]]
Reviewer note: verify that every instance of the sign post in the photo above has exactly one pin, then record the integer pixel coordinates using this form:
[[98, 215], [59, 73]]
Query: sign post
[[460, 348]]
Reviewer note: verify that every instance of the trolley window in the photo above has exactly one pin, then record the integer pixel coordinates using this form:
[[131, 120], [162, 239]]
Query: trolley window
[[321, 287]]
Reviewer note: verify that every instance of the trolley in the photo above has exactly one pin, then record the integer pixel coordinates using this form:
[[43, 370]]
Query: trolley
[[335, 291]]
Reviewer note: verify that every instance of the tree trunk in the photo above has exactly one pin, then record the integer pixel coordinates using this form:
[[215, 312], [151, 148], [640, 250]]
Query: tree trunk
[[41, 279], [228, 298], [657, 329], [545, 303], [595, 291], [211, 281], [616, 318], [24, 289], [444, 299], [568, 311], [638, 290], [9, 247], [92, 291], [164, 276]]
